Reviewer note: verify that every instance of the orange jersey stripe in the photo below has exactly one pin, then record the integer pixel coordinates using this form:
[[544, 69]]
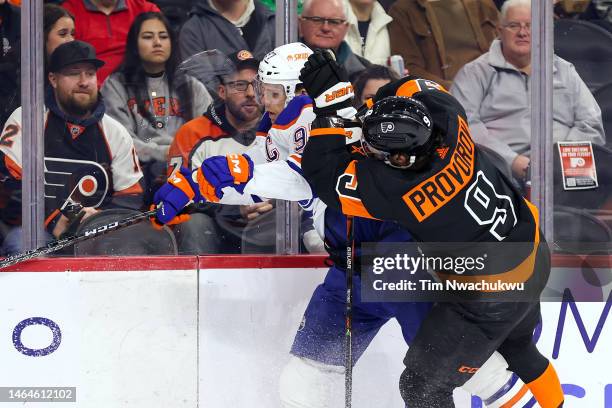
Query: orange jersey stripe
[[351, 205], [547, 389], [409, 88], [12, 167], [521, 273], [327, 131], [449, 181], [188, 136], [51, 217], [296, 157]]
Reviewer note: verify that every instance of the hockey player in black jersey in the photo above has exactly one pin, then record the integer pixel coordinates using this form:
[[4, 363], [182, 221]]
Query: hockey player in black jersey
[[425, 172]]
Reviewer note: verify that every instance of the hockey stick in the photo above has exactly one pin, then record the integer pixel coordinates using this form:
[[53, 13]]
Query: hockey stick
[[348, 313], [73, 239]]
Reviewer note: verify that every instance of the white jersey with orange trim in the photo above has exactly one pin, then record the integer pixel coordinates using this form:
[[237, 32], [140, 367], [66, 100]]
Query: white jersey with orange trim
[[85, 162], [287, 135]]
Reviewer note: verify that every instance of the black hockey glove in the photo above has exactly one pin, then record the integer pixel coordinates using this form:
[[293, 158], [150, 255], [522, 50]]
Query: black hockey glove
[[327, 83]]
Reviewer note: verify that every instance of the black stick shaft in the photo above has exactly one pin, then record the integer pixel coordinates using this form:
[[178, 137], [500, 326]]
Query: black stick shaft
[[348, 341], [71, 240]]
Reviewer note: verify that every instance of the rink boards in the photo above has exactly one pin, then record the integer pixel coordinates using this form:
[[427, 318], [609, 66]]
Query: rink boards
[[215, 332]]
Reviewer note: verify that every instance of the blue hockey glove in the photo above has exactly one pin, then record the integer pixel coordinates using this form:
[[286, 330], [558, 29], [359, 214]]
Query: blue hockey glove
[[218, 172], [174, 196]]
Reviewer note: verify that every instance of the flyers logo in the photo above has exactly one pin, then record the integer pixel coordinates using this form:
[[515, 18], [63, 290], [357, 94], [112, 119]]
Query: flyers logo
[[467, 370], [339, 93], [81, 181], [442, 151], [387, 127]]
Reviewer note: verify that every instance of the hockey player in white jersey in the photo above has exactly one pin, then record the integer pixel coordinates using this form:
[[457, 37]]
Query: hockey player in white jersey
[[288, 110], [314, 376]]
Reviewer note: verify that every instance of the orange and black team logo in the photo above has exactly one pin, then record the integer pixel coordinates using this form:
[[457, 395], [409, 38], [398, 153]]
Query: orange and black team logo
[[75, 130]]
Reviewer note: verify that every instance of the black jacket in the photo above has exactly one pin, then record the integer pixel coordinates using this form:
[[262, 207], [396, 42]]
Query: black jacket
[[9, 60]]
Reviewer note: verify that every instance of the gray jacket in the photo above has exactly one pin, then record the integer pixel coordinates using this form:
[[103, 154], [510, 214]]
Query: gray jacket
[[496, 98], [152, 142], [207, 30]]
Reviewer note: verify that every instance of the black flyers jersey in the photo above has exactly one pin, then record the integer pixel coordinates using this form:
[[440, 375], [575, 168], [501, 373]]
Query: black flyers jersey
[[459, 197]]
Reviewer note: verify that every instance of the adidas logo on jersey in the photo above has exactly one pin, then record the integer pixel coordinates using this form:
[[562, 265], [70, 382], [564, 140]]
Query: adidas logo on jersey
[[442, 151]]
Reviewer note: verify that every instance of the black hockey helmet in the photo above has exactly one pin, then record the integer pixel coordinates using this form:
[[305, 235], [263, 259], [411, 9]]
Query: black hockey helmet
[[398, 124]]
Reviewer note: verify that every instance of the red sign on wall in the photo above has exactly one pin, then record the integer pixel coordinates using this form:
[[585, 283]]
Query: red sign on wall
[[577, 165]]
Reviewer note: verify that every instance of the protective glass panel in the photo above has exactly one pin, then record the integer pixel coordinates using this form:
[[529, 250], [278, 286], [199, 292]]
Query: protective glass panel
[[582, 101]]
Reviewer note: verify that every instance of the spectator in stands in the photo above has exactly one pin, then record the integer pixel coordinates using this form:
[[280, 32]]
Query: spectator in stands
[[323, 24], [368, 82], [176, 11], [150, 96], [58, 25], [229, 26], [494, 89], [368, 35], [420, 33], [9, 59], [89, 156], [105, 24], [604, 9], [227, 127]]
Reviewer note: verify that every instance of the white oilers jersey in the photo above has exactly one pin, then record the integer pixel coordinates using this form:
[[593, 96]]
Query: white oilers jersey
[[287, 135]]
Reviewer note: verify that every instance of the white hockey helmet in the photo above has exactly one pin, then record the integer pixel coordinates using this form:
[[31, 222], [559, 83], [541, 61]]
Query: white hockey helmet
[[282, 66]]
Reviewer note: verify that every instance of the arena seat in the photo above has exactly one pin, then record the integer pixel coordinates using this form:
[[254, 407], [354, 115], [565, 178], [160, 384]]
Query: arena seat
[[587, 46], [138, 239]]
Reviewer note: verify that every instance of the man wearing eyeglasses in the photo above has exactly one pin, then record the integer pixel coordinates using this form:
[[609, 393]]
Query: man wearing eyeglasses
[[228, 126], [323, 24], [494, 90]]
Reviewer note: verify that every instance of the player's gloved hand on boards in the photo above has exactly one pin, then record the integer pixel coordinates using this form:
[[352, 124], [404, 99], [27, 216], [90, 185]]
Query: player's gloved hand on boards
[[173, 197], [218, 172], [327, 83]]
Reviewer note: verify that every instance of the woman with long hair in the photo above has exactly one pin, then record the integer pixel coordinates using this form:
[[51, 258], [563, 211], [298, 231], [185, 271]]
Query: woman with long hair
[[58, 26], [368, 82], [150, 96]]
